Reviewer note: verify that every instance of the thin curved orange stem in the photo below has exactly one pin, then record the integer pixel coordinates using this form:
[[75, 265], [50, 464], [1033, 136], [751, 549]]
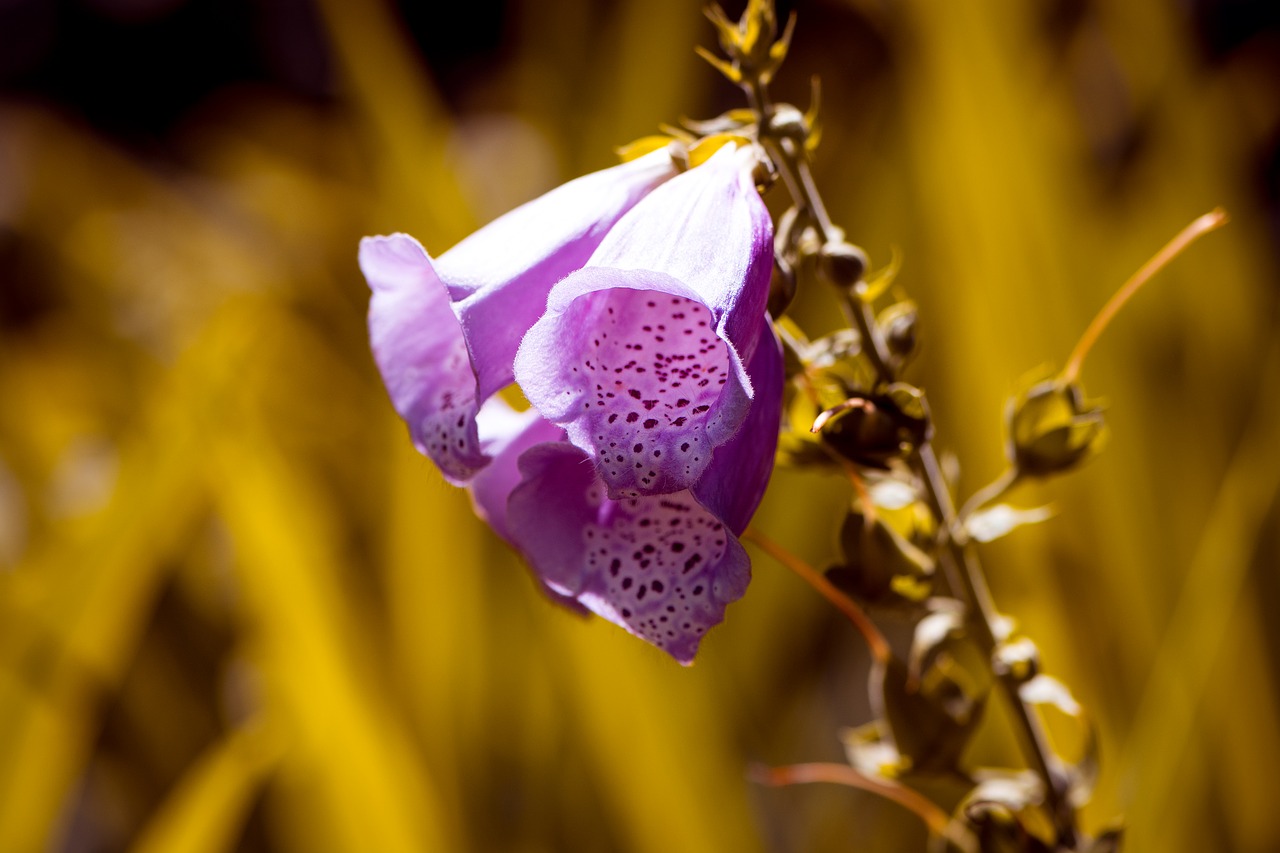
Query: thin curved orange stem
[[875, 640], [842, 774], [1211, 221]]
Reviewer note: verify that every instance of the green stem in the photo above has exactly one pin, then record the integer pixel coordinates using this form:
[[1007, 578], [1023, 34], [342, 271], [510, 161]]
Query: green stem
[[997, 488]]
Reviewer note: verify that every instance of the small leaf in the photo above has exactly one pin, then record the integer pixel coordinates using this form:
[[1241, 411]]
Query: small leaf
[[870, 750], [991, 523], [812, 115], [1046, 690], [1018, 659], [870, 289], [946, 621], [702, 150], [642, 146], [726, 30], [892, 492], [729, 121], [727, 69]]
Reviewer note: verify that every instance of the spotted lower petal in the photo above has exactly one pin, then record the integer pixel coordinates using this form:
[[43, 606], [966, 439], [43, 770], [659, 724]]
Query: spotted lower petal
[[661, 566], [633, 369]]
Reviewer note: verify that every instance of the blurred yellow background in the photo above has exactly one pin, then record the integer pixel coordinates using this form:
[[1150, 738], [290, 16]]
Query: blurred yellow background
[[238, 612]]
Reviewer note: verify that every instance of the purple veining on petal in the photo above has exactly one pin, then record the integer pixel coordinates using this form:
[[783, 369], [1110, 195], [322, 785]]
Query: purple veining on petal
[[661, 566], [639, 353], [439, 359], [420, 351]]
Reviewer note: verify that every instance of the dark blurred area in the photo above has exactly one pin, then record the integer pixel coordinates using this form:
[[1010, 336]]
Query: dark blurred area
[[237, 612]]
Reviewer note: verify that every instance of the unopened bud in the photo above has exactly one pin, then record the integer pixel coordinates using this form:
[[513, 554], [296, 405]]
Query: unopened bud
[[872, 431], [1052, 429], [842, 263], [899, 322]]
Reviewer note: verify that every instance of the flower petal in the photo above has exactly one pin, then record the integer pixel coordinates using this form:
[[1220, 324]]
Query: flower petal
[[735, 481], [640, 354], [501, 274], [661, 566], [440, 360], [504, 435], [418, 346]]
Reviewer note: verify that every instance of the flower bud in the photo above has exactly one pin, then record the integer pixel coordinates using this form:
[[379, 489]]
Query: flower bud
[[873, 430], [842, 263], [1052, 429], [880, 564], [899, 323]]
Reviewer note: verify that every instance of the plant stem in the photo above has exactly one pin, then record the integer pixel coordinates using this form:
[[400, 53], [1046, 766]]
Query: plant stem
[[875, 640], [1211, 221], [961, 566], [998, 487], [842, 774]]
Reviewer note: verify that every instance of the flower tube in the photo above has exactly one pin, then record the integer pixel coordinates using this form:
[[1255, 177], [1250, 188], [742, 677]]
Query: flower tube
[[444, 331]]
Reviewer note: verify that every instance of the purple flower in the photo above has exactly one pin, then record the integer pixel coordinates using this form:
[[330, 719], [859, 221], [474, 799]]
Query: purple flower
[[444, 332], [629, 306], [662, 566], [640, 355]]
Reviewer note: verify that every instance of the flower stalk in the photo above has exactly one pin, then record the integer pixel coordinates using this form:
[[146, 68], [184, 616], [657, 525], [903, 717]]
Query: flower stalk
[[962, 567], [886, 424]]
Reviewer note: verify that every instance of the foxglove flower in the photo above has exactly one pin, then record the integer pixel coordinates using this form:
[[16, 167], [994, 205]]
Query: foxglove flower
[[641, 354], [444, 331], [630, 308], [662, 566]]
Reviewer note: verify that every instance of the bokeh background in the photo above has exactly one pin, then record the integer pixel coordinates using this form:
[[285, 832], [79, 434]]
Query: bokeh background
[[238, 612]]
